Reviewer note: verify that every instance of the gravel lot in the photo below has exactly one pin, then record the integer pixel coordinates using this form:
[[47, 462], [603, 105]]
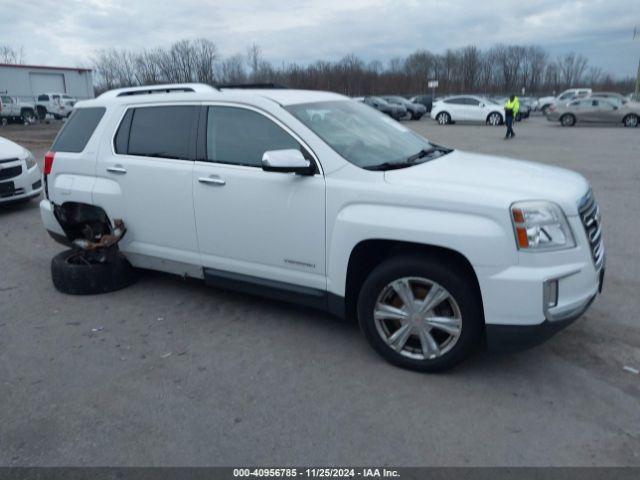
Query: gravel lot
[[170, 372]]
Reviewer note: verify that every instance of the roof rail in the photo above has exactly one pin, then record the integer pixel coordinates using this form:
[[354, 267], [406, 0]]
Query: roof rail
[[156, 89], [265, 85]]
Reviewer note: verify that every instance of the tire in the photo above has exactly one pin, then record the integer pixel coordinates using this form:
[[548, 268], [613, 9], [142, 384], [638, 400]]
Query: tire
[[28, 116], [567, 120], [494, 119], [75, 277], [443, 118], [57, 117], [423, 273], [42, 113], [545, 109], [631, 120]]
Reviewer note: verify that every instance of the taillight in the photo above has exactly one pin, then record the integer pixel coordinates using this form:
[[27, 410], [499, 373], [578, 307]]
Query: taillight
[[48, 162]]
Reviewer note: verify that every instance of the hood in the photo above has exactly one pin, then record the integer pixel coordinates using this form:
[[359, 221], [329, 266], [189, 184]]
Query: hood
[[484, 179], [8, 149]]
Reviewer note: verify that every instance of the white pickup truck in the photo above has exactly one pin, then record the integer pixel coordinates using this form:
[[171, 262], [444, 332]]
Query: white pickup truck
[[59, 105], [434, 251], [12, 108]]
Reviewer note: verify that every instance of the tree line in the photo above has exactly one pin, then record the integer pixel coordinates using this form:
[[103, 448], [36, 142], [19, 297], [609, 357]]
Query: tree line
[[501, 69]]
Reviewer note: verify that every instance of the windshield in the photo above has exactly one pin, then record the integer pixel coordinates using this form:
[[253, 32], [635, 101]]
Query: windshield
[[362, 135]]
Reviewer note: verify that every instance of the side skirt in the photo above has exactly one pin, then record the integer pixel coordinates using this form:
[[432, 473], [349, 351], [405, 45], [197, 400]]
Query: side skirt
[[287, 292]]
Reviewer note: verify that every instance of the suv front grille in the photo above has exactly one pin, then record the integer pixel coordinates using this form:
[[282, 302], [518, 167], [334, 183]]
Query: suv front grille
[[7, 173], [591, 220]]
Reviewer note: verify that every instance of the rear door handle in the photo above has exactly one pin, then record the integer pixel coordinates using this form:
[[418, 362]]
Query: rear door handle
[[212, 180], [119, 169]]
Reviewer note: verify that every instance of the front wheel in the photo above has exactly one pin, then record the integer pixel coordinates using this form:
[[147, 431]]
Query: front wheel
[[494, 119], [630, 121], [443, 118], [420, 313]]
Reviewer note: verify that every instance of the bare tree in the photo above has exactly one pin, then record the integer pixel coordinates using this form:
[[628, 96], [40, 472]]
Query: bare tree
[[8, 54], [501, 69]]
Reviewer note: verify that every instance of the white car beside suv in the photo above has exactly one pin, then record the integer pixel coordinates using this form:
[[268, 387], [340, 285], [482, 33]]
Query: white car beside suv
[[467, 108], [20, 176], [434, 251]]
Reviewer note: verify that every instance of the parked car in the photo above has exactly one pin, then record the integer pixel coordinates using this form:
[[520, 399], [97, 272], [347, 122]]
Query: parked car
[[426, 100], [467, 108], [395, 111], [20, 176], [564, 98], [598, 110], [57, 104], [12, 108], [434, 251], [415, 111]]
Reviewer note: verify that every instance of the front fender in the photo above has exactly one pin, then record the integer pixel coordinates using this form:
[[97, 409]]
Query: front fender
[[482, 240]]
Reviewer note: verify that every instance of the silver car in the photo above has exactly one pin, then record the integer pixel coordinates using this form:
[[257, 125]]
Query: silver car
[[595, 110]]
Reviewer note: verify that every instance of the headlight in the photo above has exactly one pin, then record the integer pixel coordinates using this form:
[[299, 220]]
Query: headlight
[[541, 226], [30, 160]]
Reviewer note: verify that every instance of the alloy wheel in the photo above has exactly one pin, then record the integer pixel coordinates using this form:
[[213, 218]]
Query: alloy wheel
[[494, 119], [631, 121], [418, 318]]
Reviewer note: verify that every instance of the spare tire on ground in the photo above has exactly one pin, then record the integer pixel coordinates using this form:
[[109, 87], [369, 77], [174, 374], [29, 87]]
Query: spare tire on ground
[[73, 274]]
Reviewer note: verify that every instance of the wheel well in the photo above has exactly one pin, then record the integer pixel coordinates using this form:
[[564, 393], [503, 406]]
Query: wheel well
[[368, 254], [81, 220]]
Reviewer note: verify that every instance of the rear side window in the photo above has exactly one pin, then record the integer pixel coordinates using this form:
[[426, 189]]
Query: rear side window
[[43, 98], [164, 132], [76, 133]]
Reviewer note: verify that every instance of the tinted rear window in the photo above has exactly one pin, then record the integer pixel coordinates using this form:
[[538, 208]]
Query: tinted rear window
[[167, 132], [76, 133]]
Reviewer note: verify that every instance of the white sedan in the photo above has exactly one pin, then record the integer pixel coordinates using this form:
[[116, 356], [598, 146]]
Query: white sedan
[[467, 108], [20, 176]]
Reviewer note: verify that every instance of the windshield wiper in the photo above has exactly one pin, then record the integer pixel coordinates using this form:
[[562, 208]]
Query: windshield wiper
[[425, 152], [389, 166]]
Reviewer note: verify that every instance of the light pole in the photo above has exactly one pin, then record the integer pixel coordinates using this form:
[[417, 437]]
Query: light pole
[[637, 93]]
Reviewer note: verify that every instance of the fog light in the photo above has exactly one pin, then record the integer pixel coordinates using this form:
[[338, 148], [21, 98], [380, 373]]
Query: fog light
[[550, 291]]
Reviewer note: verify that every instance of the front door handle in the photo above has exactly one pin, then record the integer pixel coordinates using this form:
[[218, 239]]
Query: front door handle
[[212, 180], [119, 169]]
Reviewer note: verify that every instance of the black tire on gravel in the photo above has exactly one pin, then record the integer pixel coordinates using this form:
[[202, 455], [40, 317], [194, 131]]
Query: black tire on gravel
[[458, 283], [73, 276]]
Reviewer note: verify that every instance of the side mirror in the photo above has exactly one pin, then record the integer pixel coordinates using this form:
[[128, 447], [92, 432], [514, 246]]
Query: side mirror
[[287, 161]]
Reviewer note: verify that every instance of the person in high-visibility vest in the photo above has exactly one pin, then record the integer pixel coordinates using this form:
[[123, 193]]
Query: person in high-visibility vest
[[510, 111]]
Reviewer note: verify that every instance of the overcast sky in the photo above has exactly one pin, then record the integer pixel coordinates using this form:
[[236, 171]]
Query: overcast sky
[[69, 32]]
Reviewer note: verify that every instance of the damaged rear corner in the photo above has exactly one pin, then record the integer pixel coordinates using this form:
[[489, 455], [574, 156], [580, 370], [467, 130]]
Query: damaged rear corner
[[87, 227]]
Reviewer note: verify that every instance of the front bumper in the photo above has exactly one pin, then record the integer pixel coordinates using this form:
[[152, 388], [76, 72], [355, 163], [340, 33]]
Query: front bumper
[[26, 185], [520, 337], [517, 307]]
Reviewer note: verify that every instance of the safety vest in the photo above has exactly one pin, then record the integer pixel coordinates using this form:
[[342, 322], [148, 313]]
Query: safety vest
[[513, 106]]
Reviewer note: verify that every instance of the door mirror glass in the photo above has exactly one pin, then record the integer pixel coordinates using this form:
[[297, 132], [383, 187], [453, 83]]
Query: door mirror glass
[[287, 161]]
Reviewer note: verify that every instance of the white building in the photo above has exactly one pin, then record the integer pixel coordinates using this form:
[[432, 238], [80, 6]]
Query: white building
[[27, 81]]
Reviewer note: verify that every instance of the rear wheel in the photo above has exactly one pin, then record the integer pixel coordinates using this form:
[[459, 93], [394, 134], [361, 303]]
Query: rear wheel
[[420, 313], [568, 120], [443, 118], [630, 120], [42, 112], [73, 274]]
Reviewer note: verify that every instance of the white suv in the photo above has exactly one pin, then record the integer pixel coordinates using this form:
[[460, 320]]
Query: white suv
[[467, 108], [434, 251]]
